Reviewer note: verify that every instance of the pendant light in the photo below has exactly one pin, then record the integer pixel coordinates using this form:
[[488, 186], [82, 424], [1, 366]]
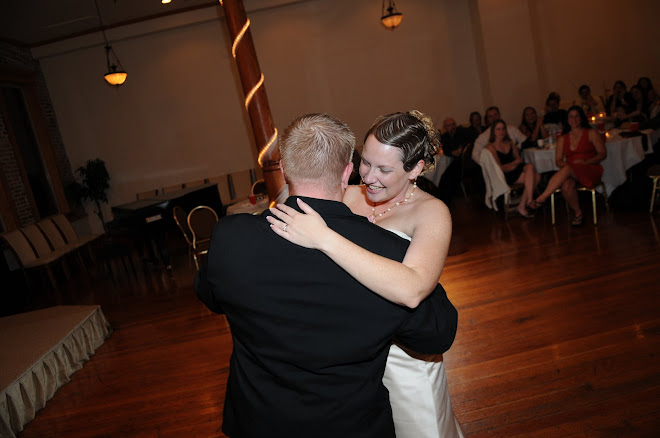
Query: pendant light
[[116, 74], [392, 18]]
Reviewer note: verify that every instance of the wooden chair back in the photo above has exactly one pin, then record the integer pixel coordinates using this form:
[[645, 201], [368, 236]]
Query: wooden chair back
[[66, 228], [20, 246], [181, 219], [53, 235], [201, 221], [37, 239], [258, 188]]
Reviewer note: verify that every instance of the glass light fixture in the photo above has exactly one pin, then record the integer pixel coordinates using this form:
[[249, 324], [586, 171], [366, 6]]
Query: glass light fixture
[[165, 1], [392, 18], [115, 75]]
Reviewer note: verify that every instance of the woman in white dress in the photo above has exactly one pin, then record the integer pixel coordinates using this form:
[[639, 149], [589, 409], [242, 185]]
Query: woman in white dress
[[397, 149]]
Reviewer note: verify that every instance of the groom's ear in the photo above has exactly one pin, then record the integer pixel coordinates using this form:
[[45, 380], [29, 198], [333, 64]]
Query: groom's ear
[[346, 175], [282, 170]]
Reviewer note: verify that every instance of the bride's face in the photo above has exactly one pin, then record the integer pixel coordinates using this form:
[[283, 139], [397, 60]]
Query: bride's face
[[382, 171]]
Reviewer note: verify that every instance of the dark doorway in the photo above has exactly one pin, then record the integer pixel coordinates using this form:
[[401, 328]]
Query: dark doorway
[[20, 125]]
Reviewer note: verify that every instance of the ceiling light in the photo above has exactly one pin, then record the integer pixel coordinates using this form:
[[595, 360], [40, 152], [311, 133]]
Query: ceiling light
[[392, 18], [116, 74]]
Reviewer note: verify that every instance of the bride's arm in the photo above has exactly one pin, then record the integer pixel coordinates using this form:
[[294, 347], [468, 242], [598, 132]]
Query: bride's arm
[[406, 283]]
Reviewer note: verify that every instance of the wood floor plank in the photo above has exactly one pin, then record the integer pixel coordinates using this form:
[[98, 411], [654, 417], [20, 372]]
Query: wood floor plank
[[559, 333]]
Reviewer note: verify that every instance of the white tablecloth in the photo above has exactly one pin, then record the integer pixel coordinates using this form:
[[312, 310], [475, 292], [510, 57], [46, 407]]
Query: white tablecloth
[[652, 137], [622, 154], [247, 207], [442, 162]]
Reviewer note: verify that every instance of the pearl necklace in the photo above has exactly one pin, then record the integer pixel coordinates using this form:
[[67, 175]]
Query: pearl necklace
[[373, 217]]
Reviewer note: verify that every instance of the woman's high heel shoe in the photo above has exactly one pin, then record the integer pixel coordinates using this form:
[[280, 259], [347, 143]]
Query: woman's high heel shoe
[[578, 220], [535, 205]]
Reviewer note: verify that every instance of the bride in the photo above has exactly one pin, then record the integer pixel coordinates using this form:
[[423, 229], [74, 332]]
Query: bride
[[397, 149]]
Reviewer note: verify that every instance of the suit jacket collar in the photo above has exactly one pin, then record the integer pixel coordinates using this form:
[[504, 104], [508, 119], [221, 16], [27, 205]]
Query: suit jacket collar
[[323, 206]]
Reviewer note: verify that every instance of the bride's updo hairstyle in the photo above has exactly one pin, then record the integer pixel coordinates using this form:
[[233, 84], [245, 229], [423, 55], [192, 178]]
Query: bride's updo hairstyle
[[412, 132]]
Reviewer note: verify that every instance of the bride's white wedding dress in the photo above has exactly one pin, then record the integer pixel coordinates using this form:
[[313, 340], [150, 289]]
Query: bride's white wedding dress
[[419, 394]]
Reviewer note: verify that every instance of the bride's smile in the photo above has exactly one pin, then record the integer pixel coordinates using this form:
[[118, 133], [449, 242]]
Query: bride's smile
[[382, 172]]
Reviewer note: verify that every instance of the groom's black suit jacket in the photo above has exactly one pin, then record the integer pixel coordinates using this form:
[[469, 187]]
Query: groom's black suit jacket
[[310, 342]]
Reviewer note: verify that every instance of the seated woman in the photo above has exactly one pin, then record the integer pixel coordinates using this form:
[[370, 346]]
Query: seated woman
[[636, 109], [646, 85], [588, 102], [475, 129], [507, 156], [578, 154], [531, 125], [619, 103]]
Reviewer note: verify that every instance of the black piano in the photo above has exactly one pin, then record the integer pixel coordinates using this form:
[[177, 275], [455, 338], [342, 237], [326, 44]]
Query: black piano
[[146, 221]]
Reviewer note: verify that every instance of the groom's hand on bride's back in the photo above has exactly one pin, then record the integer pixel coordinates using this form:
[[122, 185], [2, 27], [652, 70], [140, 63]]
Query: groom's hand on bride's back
[[431, 328]]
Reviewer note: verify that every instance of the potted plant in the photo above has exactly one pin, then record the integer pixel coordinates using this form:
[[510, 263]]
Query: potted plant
[[94, 185]]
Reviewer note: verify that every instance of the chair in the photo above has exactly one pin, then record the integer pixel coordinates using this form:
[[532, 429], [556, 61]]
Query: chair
[[65, 227], [38, 241], [56, 239], [197, 183], [223, 188], [173, 188], [240, 184], [654, 174], [27, 257], [181, 219], [258, 188], [44, 249], [581, 188], [54, 236], [496, 185], [201, 221], [146, 195]]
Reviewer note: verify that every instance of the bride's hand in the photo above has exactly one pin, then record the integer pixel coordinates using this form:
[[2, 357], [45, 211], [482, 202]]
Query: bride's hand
[[305, 229]]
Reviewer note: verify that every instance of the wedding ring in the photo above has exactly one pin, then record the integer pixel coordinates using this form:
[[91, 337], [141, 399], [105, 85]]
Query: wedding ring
[[284, 229]]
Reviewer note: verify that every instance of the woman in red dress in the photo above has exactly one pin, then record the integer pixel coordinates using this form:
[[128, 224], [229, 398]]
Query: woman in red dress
[[578, 154]]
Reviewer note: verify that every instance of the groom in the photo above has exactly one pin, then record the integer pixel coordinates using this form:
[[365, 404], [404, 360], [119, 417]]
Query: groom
[[310, 342]]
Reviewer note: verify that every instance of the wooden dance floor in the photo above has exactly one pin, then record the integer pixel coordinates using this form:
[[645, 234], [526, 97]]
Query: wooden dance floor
[[558, 337]]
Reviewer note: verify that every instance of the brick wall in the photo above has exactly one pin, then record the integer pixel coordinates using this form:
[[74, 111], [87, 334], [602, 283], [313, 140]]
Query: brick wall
[[17, 57]]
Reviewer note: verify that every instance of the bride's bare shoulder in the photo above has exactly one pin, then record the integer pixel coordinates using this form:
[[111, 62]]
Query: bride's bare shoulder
[[430, 206]]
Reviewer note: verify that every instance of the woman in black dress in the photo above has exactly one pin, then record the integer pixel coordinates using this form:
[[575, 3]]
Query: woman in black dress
[[507, 156]]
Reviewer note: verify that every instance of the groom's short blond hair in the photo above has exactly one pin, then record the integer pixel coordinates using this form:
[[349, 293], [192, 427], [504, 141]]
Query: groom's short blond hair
[[315, 149]]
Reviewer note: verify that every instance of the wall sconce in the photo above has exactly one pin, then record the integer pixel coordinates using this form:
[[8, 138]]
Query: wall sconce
[[113, 76], [392, 18]]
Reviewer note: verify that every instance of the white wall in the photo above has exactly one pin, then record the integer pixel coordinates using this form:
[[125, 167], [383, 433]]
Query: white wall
[[180, 115]]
